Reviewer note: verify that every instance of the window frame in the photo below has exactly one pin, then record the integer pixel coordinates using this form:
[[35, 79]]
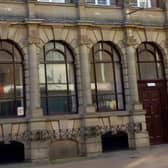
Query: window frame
[[93, 63], [66, 63], [157, 60], [13, 63]]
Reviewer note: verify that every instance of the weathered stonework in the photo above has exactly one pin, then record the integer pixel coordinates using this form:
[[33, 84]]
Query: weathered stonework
[[52, 137]]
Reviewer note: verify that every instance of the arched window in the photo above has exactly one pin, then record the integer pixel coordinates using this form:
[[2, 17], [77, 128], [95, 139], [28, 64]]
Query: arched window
[[150, 65], [106, 77], [11, 80], [57, 79]]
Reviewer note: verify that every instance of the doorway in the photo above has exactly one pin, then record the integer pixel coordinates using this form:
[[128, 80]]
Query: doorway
[[153, 91]]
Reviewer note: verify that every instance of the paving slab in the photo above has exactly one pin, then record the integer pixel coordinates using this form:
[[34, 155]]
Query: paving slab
[[151, 157]]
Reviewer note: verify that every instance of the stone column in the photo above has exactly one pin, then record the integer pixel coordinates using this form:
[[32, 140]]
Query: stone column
[[38, 149], [34, 72], [137, 114], [85, 71], [132, 75]]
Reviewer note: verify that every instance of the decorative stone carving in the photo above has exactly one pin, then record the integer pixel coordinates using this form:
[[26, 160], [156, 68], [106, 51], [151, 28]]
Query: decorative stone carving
[[84, 40], [130, 41], [73, 133], [33, 35]]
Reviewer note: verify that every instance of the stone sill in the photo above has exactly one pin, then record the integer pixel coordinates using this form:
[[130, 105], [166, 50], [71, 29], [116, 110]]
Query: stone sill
[[64, 117]]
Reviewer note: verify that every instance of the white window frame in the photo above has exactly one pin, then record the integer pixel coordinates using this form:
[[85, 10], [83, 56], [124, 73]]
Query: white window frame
[[107, 2], [147, 2], [56, 1]]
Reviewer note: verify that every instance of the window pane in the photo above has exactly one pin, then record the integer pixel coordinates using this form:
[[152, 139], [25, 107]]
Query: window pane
[[5, 57], [146, 56], [55, 56], [7, 108], [7, 80], [7, 46], [148, 71], [42, 90], [42, 73], [60, 47], [57, 104], [104, 75], [118, 78], [160, 71], [102, 56], [106, 102], [49, 46], [56, 73], [17, 56], [120, 101]]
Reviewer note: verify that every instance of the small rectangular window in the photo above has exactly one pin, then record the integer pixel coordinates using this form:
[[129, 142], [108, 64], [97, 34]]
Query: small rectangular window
[[57, 1], [141, 3], [102, 2]]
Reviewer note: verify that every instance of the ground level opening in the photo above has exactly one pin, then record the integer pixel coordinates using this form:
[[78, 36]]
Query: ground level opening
[[111, 142], [11, 152]]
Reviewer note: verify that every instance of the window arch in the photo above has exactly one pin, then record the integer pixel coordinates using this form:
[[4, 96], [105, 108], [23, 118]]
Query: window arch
[[149, 62], [12, 101], [57, 79], [106, 77]]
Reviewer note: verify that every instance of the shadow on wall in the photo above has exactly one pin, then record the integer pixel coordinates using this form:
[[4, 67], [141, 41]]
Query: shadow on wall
[[112, 142], [12, 152]]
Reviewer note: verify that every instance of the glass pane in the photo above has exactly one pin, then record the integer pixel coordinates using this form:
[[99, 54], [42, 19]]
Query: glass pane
[[148, 71], [115, 56], [104, 75], [97, 47], [7, 46], [57, 104], [49, 46], [56, 73], [18, 74], [120, 102], [17, 55], [7, 80], [7, 108], [70, 73], [158, 57], [102, 56], [146, 56], [106, 102], [60, 47], [44, 104], [160, 71], [42, 90], [107, 47], [73, 103], [57, 89], [92, 74], [118, 78], [41, 73], [5, 57], [55, 56], [68, 56]]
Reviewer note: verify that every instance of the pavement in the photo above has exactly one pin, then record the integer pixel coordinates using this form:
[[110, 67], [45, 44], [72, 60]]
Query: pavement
[[151, 157]]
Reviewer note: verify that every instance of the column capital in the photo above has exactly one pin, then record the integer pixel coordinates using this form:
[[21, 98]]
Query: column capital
[[129, 40], [85, 40], [33, 36]]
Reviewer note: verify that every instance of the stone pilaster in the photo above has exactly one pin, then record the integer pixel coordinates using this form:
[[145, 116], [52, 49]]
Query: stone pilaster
[[85, 71], [137, 114], [33, 40]]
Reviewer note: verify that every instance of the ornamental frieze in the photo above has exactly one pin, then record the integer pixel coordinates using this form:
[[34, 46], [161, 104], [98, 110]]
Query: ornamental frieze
[[87, 132]]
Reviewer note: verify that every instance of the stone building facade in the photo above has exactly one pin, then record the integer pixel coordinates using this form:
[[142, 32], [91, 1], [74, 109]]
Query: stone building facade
[[73, 71]]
